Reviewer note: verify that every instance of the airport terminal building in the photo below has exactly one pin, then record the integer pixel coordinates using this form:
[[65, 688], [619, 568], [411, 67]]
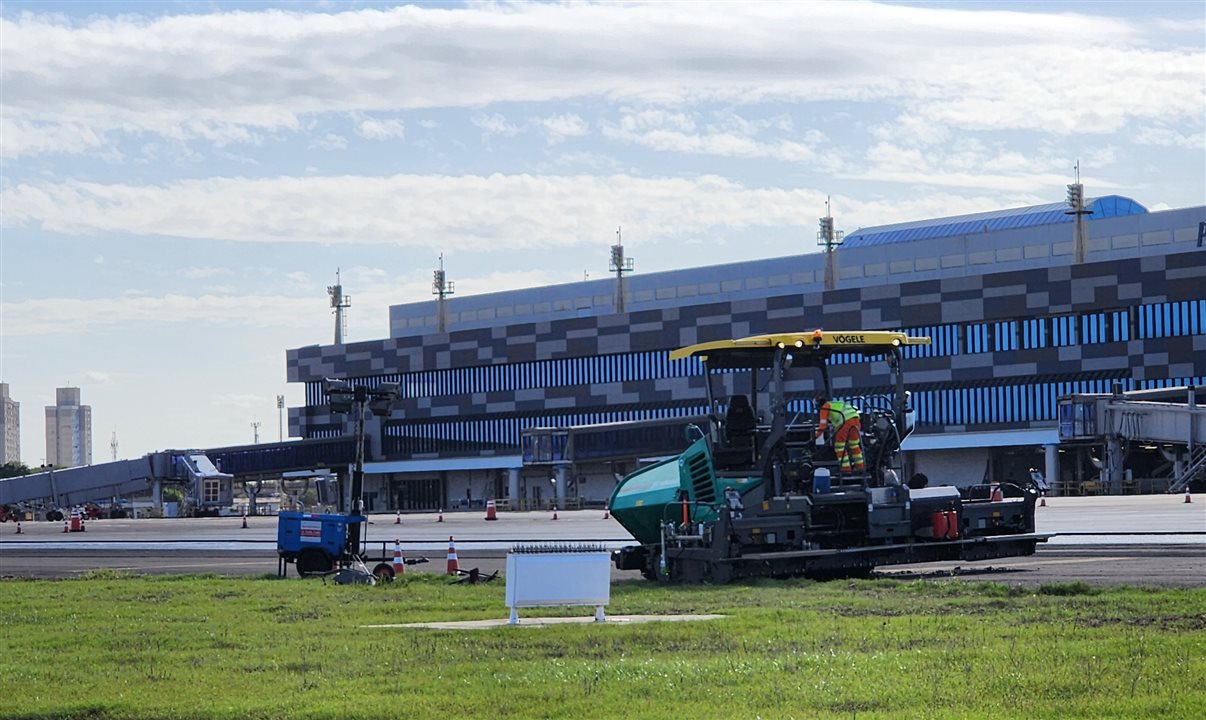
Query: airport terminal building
[[515, 395]]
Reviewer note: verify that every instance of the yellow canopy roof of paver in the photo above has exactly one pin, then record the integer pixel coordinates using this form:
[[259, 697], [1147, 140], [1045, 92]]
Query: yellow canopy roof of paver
[[848, 340]]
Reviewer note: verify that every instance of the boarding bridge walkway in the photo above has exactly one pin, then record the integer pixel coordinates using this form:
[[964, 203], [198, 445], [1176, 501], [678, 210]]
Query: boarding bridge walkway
[[1169, 417], [192, 469], [67, 487]]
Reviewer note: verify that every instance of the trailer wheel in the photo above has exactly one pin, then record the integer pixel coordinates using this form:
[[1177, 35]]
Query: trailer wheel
[[312, 561], [54, 516], [384, 572]]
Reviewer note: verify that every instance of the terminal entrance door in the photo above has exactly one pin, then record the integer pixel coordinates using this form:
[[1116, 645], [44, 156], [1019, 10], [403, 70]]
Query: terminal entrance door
[[418, 494]]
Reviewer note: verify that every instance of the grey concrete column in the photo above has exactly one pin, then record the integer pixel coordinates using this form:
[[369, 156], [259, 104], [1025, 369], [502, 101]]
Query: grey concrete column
[[513, 485], [562, 475], [1112, 467], [157, 496], [1051, 467]]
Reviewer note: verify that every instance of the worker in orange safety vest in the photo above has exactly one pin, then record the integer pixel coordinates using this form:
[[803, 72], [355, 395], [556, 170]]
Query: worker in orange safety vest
[[843, 418]]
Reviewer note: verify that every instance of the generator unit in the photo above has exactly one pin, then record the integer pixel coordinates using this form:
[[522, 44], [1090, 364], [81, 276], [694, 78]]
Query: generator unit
[[315, 543]]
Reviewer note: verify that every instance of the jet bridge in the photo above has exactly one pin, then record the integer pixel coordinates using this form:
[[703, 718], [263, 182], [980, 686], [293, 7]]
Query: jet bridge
[[61, 488], [1170, 420]]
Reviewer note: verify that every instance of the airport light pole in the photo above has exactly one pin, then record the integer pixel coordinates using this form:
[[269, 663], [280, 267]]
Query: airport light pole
[[345, 398], [280, 418]]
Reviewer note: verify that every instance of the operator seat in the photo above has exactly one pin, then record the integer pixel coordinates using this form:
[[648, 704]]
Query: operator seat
[[739, 424], [739, 418]]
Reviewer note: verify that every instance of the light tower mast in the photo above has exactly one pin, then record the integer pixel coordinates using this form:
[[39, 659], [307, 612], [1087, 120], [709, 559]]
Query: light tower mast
[[619, 265], [339, 303], [1076, 207], [441, 287], [113, 445], [830, 240]]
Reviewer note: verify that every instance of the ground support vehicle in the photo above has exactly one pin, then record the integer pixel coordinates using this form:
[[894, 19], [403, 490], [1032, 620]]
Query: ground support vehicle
[[758, 495], [319, 545]]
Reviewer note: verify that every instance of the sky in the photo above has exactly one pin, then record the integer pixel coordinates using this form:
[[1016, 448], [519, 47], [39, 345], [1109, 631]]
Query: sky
[[182, 181]]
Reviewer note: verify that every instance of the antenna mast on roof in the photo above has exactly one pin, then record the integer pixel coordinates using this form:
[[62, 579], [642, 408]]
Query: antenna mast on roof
[[442, 287], [1076, 207], [619, 265], [830, 240], [113, 445], [339, 302]]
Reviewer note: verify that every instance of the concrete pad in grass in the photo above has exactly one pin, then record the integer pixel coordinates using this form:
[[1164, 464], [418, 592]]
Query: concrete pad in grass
[[545, 621]]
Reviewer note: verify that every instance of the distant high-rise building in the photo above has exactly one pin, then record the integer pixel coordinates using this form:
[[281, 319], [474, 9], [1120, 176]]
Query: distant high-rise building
[[10, 427], [68, 430]]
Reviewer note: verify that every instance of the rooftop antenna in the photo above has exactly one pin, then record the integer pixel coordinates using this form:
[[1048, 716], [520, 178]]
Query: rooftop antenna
[[113, 445], [830, 240], [619, 265], [339, 303], [442, 287], [255, 427], [1076, 208]]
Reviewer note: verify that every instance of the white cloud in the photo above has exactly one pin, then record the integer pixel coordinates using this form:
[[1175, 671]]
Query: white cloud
[[676, 132], [375, 129], [68, 86], [98, 260], [487, 214], [51, 316], [470, 212], [428, 124], [1168, 137], [298, 277], [495, 124], [198, 273], [588, 159], [246, 402], [559, 127], [99, 377], [330, 142]]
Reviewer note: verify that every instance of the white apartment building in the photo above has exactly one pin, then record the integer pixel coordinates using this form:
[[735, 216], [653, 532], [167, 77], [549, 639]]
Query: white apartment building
[[10, 427], [68, 430]]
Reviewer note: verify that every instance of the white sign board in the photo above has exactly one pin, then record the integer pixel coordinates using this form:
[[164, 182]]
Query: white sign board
[[571, 578]]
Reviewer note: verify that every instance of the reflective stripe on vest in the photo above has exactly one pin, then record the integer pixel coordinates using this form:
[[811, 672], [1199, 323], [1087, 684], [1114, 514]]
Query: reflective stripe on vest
[[844, 412]]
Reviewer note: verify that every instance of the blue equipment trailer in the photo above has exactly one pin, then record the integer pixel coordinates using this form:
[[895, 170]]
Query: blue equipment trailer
[[319, 544]]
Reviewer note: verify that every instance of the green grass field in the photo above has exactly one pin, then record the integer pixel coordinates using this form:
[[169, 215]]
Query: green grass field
[[110, 646]]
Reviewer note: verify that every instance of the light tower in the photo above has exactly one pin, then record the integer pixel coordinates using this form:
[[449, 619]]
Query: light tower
[[280, 418], [441, 287], [339, 303], [255, 427], [619, 265], [1076, 207], [830, 240], [113, 445]]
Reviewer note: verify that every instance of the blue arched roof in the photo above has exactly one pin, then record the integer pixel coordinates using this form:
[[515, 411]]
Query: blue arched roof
[[1050, 214]]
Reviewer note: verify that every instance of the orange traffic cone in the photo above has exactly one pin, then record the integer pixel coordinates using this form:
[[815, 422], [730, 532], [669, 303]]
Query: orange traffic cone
[[606, 512], [554, 512], [1187, 498], [1042, 499], [82, 518], [996, 493], [399, 562], [398, 518], [66, 528], [491, 512], [19, 531], [441, 517], [453, 565], [244, 521]]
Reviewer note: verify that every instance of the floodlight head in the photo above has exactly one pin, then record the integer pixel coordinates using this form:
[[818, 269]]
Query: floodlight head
[[339, 395], [382, 398]]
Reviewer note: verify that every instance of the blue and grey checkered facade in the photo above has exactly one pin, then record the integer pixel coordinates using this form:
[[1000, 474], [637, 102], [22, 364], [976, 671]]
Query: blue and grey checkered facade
[[1015, 324]]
